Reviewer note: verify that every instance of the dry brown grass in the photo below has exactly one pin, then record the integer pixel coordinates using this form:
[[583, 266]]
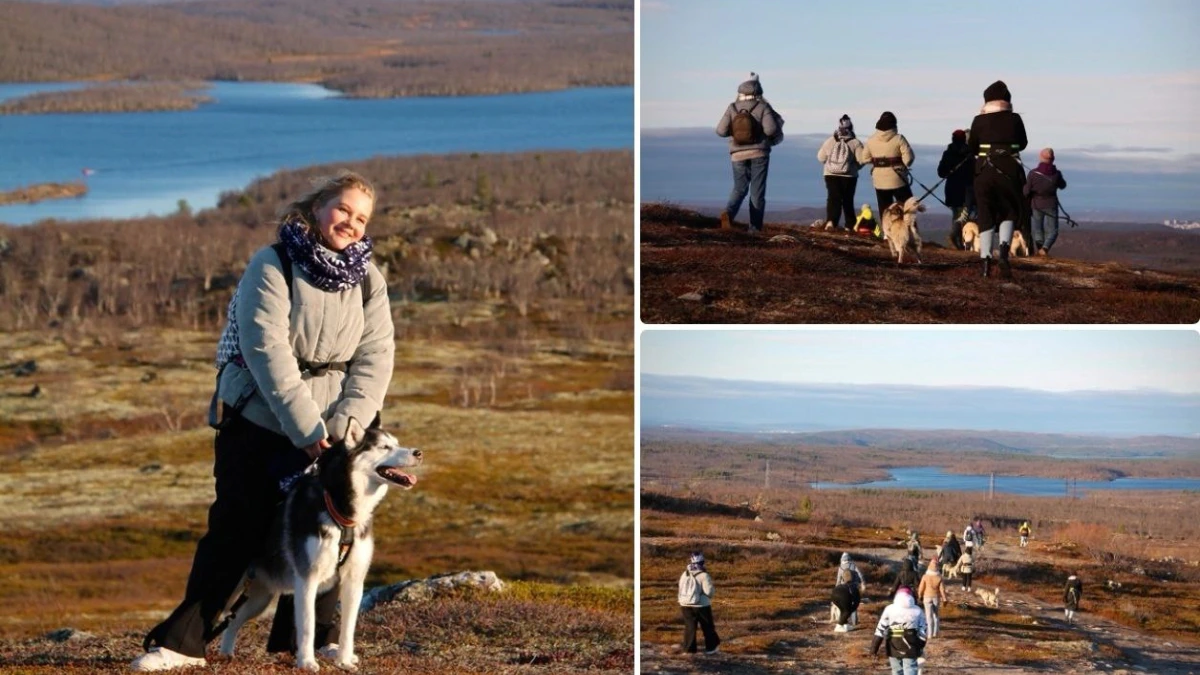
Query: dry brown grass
[[838, 278]]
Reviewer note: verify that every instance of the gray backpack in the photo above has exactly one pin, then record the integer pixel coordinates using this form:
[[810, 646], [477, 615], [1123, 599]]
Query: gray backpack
[[840, 158]]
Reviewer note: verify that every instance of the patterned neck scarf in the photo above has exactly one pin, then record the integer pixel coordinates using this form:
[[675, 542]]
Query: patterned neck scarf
[[329, 270]]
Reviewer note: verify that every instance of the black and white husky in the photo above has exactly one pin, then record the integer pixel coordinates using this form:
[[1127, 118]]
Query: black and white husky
[[322, 534]]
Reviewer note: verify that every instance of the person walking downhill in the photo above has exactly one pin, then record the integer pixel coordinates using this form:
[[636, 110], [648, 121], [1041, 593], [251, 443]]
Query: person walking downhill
[[753, 127], [1024, 532], [889, 155], [951, 551], [1042, 188], [914, 548], [1072, 594], [695, 602], [839, 157], [907, 576], [932, 593], [996, 139], [955, 167], [966, 565], [902, 630], [849, 576]]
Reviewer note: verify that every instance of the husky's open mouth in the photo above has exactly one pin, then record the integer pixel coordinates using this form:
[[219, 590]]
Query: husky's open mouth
[[397, 477]]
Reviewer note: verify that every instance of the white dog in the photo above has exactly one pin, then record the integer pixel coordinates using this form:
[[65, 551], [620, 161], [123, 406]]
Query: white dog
[[970, 235], [1019, 246], [900, 228], [990, 598], [322, 534]]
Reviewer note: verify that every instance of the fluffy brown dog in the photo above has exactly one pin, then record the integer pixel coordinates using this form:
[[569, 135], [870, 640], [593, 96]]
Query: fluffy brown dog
[[900, 228], [970, 236]]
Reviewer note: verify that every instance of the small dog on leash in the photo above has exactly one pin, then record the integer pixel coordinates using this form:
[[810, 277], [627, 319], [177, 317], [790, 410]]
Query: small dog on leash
[[970, 236], [1019, 246], [900, 228], [322, 534], [990, 598]]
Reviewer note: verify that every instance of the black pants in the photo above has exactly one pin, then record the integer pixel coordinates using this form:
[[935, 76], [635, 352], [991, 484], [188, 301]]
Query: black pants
[[839, 199], [998, 197], [704, 617], [249, 463], [966, 580], [886, 198]]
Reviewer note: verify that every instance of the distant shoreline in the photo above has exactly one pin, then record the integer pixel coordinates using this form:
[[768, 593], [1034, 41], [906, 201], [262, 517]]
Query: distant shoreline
[[31, 194]]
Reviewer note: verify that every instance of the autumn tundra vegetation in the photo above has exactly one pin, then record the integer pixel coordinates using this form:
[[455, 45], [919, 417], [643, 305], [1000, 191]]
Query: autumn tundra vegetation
[[365, 48], [511, 289], [773, 545]]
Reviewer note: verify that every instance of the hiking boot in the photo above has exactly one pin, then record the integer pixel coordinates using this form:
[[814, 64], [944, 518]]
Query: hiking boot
[[161, 658], [1042, 251], [725, 224], [1005, 269]]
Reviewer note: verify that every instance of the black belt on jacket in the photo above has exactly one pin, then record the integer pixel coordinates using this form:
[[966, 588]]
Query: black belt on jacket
[[318, 369], [886, 161]]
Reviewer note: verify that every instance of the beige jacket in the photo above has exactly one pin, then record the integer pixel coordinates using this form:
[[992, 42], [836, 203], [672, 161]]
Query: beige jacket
[[318, 327], [886, 144], [931, 589]]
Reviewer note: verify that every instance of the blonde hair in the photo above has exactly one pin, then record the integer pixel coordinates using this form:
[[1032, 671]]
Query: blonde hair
[[324, 188]]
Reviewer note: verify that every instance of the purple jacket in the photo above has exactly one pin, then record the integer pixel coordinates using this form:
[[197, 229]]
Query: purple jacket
[[1042, 187]]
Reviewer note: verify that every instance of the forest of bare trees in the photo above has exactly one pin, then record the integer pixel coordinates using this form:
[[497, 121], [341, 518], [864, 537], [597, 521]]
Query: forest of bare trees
[[368, 48], [524, 230]]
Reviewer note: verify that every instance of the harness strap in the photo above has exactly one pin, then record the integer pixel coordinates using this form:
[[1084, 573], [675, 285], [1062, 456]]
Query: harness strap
[[346, 542]]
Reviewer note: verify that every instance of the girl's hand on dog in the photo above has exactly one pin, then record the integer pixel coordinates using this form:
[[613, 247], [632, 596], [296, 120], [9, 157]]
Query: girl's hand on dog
[[314, 451]]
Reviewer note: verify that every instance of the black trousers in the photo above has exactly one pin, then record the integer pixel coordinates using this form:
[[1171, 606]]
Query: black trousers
[[249, 463], [998, 198], [886, 198], [704, 617], [839, 199]]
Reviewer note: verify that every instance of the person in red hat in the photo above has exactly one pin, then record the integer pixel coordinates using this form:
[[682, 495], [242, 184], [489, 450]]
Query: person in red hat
[[958, 172]]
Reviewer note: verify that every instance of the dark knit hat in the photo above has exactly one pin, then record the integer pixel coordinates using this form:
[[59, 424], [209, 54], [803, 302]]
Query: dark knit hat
[[751, 87], [997, 91], [886, 121], [846, 124], [958, 135]]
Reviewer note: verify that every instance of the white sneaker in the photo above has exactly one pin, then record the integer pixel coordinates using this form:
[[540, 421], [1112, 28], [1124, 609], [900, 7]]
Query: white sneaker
[[161, 658], [841, 628], [714, 650]]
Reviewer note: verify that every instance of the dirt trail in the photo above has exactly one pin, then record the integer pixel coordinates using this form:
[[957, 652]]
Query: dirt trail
[[808, 644]]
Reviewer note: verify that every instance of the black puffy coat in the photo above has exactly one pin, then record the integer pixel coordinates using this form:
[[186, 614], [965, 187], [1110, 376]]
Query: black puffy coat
[[959, 181]]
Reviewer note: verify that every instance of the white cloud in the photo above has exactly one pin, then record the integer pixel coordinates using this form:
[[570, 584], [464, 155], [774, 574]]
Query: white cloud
[[1118, 111]]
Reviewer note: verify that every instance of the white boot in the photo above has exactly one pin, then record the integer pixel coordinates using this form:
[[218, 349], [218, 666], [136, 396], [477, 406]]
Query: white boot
[[161, 658]]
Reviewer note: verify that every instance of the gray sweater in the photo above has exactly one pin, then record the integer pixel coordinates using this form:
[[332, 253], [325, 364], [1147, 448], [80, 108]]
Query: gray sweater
[[323, 327], [771, 122]]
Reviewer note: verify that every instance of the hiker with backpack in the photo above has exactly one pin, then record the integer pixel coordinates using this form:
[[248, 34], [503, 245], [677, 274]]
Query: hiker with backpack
[[695, 602], [890, 157], [839, 157], [907, 576], [308, 345], [996, 140], [966, 565], [956, 168], [848, 588], [1072, 594], [950, 551], [1024, 531], [753, 127], [902, 630], [1042, 187]]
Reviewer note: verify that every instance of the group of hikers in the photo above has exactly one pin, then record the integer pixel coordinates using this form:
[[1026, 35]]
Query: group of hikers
[[993, 191], [905, 625]]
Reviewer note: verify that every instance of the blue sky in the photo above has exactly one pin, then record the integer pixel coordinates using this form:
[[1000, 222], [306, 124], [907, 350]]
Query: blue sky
[[1046, 360], [1113, 81]]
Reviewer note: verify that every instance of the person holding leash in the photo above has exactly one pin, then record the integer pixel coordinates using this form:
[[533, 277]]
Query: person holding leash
[[1042, 188], [955, 167], [996, 139], [890, 155], [695, 602], [308, 344]]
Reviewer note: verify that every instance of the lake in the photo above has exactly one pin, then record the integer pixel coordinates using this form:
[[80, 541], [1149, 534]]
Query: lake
[[144, 163], [935, 478]]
